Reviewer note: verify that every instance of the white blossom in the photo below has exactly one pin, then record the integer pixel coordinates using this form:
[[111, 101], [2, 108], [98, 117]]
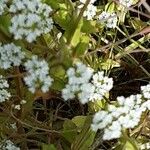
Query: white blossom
[[3, 6], [86, 93], [37, 75], [110, 19], [4, 94], [126, 3], [145, 146], [78, 79], [146, 91], [90, 11], [126, 115], [86, 85], [102, 85], [10, 54], [8, 145], [31, 19]]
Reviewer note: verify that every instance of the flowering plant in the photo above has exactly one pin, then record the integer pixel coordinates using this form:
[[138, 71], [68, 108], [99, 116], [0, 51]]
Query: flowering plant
[[74, 74]]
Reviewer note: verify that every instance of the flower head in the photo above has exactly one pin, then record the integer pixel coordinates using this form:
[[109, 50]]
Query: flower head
[[78, 79], [37, 75], [3, 6], [110, 19], [10, 54], [8, 145], [126, 115], [32, 19], [90, 11], [86, 85], [126, 3]]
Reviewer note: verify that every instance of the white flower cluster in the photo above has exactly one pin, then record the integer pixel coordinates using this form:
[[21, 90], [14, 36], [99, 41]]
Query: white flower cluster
[[90, 12], [10, 54], [31, 19], [102, 85], [126, 115], [110, 19], [145, 146], [78, 78], [86, 85], [3, 6], [8, 145], [4, 94], [37, 75], [126, 3], [146, 91]]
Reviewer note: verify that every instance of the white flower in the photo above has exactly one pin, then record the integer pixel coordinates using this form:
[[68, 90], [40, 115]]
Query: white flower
[[86, 93], [3, 6], [8, 145], [10, 54], [146, 91], [102, 85], [126, 115], [37, 75], [78, 83], [4, 94], [112, 132], [31, 19], [145, 146], [85, 85], [126, 3], [110, 19], [90, 12]]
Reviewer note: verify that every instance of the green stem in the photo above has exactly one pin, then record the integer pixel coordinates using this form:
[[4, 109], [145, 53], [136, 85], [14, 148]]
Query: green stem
[[77, 22]]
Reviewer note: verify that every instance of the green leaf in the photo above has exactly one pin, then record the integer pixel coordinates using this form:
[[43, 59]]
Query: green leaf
[[48, 147], [62, 16], [96, 105], [82, 45], [74, 36], [79, 121], [69, 131], [58, 84], [54, 3], [110, 7], [126, 142], [129, 146], [5, 24], [85, 139], [58, 71], [88, 26]]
